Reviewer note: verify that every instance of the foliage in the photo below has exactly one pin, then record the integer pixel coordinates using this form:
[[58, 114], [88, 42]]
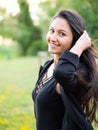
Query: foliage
[[21, 29], [94, 9], [27, 32], [39, 45], [88, 9], [7, 52]]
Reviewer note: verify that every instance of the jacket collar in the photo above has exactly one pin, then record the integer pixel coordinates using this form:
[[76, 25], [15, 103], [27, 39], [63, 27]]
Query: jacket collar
[[44, 68]]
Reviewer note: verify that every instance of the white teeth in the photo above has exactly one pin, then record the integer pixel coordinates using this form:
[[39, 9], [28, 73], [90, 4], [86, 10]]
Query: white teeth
[[54, 44]]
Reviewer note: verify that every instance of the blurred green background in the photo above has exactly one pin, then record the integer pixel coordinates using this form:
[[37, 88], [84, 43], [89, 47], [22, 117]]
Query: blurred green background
[[17, 79], [23, 47]]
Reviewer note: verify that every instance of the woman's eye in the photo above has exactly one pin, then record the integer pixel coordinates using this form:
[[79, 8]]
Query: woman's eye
[[51, 30], [62, 34]]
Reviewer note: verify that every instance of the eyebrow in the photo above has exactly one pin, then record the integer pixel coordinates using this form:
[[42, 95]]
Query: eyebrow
[[62, 30], [59, 30]]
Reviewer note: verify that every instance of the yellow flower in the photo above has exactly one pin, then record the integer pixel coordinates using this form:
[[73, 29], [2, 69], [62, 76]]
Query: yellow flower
[[25, 128], [2, 97]]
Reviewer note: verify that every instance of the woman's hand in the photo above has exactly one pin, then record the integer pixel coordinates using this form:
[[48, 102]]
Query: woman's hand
[[82, 44], [84, 41]]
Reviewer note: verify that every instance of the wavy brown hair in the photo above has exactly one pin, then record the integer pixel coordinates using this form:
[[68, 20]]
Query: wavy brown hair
[[89, 94]]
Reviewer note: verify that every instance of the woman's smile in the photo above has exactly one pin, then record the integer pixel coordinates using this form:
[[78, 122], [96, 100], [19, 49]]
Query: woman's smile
[[53, 45]]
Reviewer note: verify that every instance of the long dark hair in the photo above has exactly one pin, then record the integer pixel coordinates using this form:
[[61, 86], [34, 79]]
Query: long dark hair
[[89, 95]]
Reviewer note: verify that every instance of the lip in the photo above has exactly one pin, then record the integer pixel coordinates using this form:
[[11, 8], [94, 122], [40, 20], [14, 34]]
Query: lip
[[52, 45]]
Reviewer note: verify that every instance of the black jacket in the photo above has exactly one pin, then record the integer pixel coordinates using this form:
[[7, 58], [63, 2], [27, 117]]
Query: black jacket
[[71, 87]]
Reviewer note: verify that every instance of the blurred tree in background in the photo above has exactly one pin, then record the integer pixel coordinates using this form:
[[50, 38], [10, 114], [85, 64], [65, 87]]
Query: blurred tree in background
[[27, 33], [29, 37], [22, 30], [89, 10]]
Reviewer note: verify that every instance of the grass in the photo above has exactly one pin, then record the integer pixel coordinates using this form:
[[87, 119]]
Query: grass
[[17, 79]]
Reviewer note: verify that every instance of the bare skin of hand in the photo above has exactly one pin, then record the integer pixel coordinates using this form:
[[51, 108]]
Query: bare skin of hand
[[82, 44]]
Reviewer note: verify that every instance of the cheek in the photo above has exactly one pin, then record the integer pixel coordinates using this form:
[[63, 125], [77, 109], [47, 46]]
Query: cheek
[[48, 37], [67, 44]]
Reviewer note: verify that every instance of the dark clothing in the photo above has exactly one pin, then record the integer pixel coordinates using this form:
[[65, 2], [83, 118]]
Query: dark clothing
[[48, 104], [49, 108]]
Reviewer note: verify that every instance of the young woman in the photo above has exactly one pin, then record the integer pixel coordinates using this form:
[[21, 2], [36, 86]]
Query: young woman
[[72, 68]]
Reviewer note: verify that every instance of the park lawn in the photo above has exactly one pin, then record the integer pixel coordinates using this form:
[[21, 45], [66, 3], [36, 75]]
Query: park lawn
[[17, 79]]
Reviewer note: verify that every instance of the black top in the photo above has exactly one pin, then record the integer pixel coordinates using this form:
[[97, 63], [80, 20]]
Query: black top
[[48, 104], [49, 108]]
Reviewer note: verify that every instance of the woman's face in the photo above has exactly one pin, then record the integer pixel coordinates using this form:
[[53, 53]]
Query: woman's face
[[59, 36]]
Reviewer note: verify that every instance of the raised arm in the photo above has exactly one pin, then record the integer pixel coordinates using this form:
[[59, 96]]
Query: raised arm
[[69, 65]]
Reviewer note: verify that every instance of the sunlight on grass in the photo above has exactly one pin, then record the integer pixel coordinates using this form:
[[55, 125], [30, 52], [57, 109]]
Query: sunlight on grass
[[17, 79]]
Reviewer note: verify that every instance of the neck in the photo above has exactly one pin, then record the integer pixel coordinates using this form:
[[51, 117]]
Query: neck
[[56, 57], [52, 67]]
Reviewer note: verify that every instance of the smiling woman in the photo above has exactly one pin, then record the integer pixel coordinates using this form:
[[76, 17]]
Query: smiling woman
[[71, 73]]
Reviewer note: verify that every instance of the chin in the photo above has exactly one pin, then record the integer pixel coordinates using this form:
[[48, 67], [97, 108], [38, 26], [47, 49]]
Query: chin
[[52, 52]]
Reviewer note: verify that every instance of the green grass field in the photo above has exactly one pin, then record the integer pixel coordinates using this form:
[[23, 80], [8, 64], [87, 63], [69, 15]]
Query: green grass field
[[17, 79]]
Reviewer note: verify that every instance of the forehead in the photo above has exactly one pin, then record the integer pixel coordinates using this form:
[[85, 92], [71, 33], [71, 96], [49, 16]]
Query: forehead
[[60, 23]]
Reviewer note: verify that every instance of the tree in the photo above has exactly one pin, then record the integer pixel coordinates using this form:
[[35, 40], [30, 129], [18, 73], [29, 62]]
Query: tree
[[94, 9], [88, 9], [21, 29], [27, 32]]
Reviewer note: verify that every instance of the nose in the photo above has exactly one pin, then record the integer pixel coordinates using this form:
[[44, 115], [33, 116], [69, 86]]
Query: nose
[[54, 37]]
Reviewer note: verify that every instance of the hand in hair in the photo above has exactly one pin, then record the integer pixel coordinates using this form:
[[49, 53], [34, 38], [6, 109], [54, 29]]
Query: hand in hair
[[82, 44]]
